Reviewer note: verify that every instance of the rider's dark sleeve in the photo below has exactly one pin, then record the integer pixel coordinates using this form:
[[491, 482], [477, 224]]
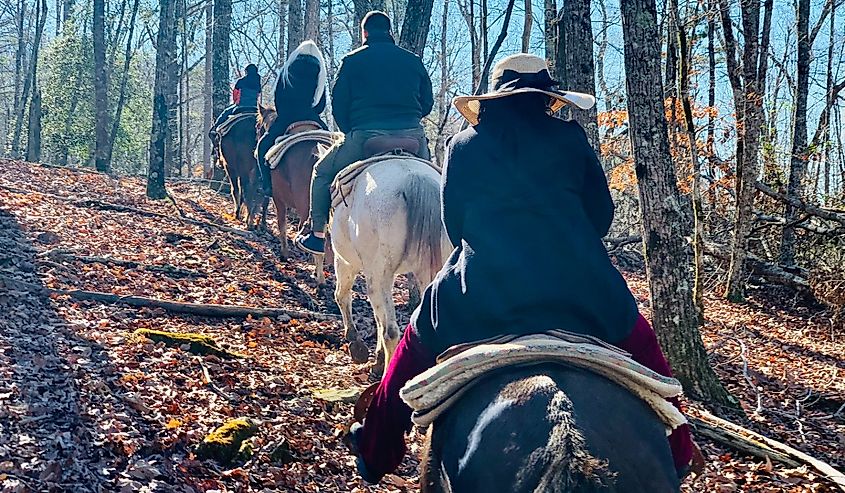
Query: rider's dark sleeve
[[426, 93], [595, 194], [341, 97], [452, 204]]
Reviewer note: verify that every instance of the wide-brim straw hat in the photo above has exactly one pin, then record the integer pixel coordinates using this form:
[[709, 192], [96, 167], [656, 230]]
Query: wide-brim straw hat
[[519, 74]]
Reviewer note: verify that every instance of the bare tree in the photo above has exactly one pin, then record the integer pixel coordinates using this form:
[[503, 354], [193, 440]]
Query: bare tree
[[283, 19], [550, 21], [208, 87], [416, 25], [575, 60], [121, 99], [29, 77], [101, 84], [665, 224], [295, 28], [528, 20], [312, 20], [165, 55], [33, 142]]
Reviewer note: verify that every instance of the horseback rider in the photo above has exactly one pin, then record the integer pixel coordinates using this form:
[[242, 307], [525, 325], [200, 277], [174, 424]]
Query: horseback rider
[[245, 97], [380, 89], [503, 176], [300, 96]]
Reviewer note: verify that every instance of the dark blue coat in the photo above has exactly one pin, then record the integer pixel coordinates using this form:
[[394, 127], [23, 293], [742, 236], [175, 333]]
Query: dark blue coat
[[527, 231], [294, 98]]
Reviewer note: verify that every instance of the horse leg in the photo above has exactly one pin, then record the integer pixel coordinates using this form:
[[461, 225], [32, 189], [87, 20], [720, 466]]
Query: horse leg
[[281, 221], [319, 274], [380, 293], [345, 274], [237, 195]]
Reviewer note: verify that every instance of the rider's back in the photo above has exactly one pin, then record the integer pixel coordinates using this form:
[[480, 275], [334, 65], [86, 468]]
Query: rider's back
[[381, 86]]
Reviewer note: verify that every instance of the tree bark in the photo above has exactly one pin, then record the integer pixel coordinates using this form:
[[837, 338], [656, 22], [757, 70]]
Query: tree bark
[[101, 84], [468, 13], [29, 78], [748, 141], [165, 55], [312, 20], [121, 99], [220, 46], [283, 20], [575, 58], [798, 163], [33, 143], [550, 34], [208, 88], [416, 25], [295, 28], [528, 20], [665, 224]]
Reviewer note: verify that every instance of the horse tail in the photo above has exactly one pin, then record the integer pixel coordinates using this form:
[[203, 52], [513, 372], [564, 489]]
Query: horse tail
[[425, 229]]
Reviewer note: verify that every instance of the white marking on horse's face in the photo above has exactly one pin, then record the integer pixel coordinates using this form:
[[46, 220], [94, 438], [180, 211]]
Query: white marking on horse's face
[[490, 413]]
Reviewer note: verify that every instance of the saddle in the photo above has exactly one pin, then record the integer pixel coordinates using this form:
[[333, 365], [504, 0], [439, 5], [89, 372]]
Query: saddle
[[431, 393], [300, 132], [344, 182], [233, 119], [394, 144]]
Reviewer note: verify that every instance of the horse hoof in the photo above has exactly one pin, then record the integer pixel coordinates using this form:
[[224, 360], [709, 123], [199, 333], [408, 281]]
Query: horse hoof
[[359, 352]]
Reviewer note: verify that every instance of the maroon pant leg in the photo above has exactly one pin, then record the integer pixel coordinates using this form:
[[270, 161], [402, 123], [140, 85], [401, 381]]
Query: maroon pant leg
[[644, 349], [382, 442]]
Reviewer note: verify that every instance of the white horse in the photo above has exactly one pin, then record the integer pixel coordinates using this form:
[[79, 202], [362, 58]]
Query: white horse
[[389, 224]]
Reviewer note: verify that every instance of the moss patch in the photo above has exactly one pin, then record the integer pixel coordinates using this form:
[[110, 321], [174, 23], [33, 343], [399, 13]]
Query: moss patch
[[229, 442], [198, 343]]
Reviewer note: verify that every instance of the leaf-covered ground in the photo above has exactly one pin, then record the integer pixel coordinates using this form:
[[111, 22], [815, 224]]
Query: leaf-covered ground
[[87, 406]]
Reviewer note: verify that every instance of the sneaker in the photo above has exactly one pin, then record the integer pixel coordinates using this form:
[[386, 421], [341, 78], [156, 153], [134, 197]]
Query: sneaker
[[311, 244]]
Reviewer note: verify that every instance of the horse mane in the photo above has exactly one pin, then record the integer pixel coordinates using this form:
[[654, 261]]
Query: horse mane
[[265, 121]]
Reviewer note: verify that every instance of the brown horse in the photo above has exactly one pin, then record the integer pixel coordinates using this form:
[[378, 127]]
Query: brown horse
[[236, 151], [291, 181]]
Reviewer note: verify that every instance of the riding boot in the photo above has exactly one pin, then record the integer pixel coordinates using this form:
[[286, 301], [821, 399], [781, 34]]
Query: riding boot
[[264, 178]]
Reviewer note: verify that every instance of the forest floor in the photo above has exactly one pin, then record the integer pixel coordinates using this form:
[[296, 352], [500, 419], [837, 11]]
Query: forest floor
[[87, 406]]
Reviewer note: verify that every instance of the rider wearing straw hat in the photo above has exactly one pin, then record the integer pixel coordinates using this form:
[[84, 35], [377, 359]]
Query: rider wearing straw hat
[[525, 204]]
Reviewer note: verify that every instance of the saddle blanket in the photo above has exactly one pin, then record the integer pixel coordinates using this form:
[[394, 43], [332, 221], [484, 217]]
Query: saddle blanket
[[285, 142], [344, 182], [230, 122], [432, 392]]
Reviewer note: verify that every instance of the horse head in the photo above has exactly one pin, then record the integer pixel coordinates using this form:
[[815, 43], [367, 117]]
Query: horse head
[[266, 117]]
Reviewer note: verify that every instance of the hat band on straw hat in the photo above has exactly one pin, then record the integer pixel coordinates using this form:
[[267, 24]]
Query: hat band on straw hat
[[511, 79]]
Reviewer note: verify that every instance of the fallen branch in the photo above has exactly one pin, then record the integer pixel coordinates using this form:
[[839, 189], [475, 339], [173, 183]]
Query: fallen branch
[[799, 204], [166, 269], [109, 206], [781, 221], [760, 267], [753, 443], [199, 309]]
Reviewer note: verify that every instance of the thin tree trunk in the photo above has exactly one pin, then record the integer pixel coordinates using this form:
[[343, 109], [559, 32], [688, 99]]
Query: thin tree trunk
[[683, 94], [711, 94], [121, 99], [208, 88], [442, 103], [416, 25], [488, 63], [67, 10], [469, 17], [220, 47], [665, 224], [184, 123], [58, 17], [526, 27], [482, 27], [575, 52], [826, 121], [295, 30], [283, 20], [798, 163], [550, 34], [19, 54], [165, 54], [101, 84], [312, 20], [33, 143], [40, 21]]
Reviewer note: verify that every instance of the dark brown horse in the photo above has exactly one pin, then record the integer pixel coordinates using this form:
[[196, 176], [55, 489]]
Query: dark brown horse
[[236, 151], [291, 181], [548, 428]]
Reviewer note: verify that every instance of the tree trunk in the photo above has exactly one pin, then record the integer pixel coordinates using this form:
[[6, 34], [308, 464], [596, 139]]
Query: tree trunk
[[312, 20], [283, 20], [416, 25], [683, 94], [550, 35], [528, 20], [29, 78], [295, 29], [208, 89], [172, 151], [475, 53], [121, 99], [101, 84], [165, 54], [575, 58], [220, 69], [665, 224], [19, 62], [798, 163], [67, 10], [33, 143], [750, 119], [443, 106], [488, 63], [711, 94]]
